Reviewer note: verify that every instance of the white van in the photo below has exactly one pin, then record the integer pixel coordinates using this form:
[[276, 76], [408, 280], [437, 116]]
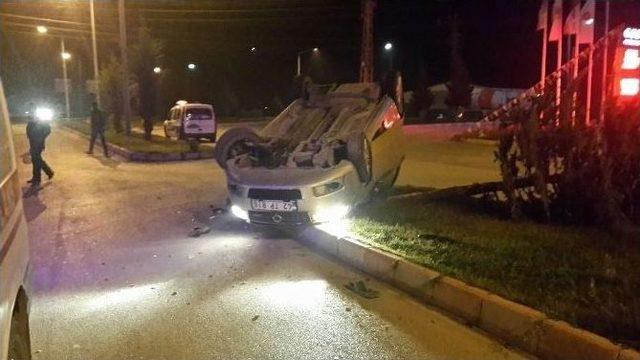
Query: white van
[[191, 120], [14, 251]]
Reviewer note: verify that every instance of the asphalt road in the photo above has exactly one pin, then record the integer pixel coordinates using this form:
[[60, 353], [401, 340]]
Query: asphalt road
[[115, 276]]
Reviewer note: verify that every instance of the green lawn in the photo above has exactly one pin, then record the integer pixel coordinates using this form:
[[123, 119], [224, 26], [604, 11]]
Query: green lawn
[[579, 275], [136, 141]]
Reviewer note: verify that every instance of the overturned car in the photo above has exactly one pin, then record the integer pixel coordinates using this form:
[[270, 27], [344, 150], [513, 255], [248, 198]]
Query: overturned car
[[323, 155]]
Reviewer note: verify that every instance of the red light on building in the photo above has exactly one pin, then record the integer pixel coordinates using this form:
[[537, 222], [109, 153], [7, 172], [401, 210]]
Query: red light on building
[[631, 59], [626, 67], [629, 86]]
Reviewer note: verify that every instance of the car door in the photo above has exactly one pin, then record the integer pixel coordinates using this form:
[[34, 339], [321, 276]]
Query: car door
[[387, 144], [173, 124]]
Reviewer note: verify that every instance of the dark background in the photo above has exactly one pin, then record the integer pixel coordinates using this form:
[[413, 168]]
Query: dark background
[[500, 45]]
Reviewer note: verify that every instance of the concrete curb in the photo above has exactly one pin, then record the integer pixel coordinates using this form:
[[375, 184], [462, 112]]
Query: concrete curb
[[146, 157], [515, 324]]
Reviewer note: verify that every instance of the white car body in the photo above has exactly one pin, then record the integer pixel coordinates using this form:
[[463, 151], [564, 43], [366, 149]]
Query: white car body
[[319, 185], [14, 246], [191, 120]]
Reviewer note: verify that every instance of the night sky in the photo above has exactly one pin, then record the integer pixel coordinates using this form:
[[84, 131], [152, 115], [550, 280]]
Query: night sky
[[499, 43]]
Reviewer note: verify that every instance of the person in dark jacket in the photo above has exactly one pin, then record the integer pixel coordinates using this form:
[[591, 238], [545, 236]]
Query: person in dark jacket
[[98, 123], [37, 132]]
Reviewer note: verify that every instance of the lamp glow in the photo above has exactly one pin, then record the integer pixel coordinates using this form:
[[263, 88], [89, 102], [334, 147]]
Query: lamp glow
[[589, 21], [42, 29], [388, 46], [44, 114], [191, 66], [157, 69], [65, 55]]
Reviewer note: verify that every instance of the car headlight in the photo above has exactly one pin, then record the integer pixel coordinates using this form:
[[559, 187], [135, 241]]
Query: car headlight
[[239, 213], [44, 114], [327, 188]]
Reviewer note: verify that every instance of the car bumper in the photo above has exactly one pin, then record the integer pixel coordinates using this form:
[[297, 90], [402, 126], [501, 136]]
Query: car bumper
[[310, 208]]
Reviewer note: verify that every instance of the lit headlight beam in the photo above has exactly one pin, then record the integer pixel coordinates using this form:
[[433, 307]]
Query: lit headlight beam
[[44, 114]]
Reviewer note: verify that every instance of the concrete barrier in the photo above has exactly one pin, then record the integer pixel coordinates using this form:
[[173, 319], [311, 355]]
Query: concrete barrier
[[515, 324]]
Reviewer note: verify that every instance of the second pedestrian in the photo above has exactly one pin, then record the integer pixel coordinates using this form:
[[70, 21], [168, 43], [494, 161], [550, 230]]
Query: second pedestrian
[[98, 123]]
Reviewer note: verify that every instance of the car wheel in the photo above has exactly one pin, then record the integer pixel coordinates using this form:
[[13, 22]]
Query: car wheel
[[212, 138], [19, 340], [359, 153], [231, 144]]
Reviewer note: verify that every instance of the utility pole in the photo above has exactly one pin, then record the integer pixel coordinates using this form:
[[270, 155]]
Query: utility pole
[[94, 45], [125, 68], [366, 46], [64, 77]]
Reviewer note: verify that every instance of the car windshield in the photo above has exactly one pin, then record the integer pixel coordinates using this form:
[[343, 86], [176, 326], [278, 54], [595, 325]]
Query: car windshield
[[198, 114]]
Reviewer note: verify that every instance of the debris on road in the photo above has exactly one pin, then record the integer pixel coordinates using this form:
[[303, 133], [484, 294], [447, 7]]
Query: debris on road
[[174, 293], [361, 289], [199, 230], [255, 318]]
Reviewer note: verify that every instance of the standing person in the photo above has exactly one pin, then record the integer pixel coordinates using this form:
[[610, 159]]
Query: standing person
[[37, 132], [98, 123]]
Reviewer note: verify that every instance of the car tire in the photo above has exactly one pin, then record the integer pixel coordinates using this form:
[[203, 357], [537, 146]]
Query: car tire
[[228, 142], [212, 138], [359, 153], [19, 339]]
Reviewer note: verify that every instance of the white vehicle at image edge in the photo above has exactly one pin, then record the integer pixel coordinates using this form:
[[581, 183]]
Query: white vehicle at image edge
[[191, 120], [14, 251], [323, 155]]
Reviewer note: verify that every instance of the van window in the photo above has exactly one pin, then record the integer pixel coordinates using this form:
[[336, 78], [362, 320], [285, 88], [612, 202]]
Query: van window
[[198, 114], [6, 163]]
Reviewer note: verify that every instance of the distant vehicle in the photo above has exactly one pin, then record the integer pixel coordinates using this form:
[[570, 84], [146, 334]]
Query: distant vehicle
[[191, 120], [319, 158], [14, 251]]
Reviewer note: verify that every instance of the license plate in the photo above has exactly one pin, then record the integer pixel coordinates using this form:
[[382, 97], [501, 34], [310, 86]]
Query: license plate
[[274, 205]]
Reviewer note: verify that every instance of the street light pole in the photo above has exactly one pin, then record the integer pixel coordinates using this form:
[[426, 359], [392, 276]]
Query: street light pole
[[125, 68], [299, 71], [64, 76], [95, 52]]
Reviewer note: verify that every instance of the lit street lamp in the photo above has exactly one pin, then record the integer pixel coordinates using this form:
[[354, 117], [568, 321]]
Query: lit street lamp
[[388, 48], [65, 56], [253, 49], [191, 66], [314, 50], [157, 69]]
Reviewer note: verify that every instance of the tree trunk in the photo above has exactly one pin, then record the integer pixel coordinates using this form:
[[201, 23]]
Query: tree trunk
[[148, 127], [117, 123]]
